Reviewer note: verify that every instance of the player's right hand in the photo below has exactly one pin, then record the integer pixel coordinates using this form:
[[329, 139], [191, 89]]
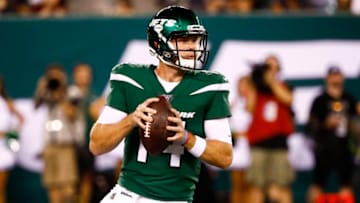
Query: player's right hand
[[142, 112]]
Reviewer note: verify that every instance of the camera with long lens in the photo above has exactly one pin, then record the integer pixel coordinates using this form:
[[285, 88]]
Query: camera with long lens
[[53, 84]]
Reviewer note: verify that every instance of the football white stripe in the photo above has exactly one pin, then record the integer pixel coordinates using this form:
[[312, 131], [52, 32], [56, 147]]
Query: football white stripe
[[124, 78], [213, 87]]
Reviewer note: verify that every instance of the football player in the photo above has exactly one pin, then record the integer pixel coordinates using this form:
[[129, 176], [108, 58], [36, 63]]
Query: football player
[[200, 103]]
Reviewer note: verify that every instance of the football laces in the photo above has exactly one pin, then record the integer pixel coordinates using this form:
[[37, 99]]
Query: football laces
[[147, 128]]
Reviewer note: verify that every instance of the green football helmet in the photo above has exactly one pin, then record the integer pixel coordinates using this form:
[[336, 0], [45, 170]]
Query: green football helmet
[[171, 23]]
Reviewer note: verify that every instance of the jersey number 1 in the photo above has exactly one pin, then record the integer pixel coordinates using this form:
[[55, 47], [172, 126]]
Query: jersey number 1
[[176, 150]]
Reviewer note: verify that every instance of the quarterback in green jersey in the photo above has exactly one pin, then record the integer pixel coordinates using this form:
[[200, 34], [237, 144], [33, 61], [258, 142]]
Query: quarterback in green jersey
[[200, 104]]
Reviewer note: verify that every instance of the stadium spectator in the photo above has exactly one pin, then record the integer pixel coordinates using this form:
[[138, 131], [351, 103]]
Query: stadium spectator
[[239, 6], [50, 8], [6, 154], [213, 7], [270, 173], [355, 131], [84, 95], [7, 109], [5, 6], [103, 7], [124, 8], [14, 7], [64, 128], [239, 124], [330, 116], [344, 5], [165, 3]]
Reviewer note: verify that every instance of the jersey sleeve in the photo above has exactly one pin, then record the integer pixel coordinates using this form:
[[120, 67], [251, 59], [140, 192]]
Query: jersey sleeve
[[218, 129], [219, 106], [116, 96]]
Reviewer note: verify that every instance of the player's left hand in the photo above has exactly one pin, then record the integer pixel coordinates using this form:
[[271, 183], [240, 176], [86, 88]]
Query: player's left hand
[[178, 128]]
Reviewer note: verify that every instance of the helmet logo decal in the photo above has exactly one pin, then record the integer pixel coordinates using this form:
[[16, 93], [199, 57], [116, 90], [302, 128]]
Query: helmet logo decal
[[168, 22]]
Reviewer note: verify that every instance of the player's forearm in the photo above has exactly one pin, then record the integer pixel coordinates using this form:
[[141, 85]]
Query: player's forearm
[[218, 154], [105, 137]]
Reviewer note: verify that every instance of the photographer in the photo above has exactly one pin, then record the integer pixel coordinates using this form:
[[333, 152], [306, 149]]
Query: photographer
[[64, 128], [82, 77], [51, 88], [269, 99]]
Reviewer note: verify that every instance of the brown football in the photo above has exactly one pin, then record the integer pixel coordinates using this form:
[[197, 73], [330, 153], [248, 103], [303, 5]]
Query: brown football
[[155, 134]]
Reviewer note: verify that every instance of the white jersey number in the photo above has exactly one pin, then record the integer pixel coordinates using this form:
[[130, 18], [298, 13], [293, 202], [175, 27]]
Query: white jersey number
[[176, 150]]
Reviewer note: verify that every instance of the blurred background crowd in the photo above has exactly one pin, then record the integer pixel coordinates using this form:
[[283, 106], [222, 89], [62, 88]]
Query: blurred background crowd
[[138, 7]]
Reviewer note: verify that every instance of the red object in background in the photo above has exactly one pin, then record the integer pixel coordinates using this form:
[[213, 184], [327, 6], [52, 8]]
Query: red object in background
[[335, 198]]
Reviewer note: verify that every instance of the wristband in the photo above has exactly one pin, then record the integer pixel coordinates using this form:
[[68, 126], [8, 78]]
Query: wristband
[[199, 147], [186, 138]]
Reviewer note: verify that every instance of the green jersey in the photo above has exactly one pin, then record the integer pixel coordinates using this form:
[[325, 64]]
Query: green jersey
[[172, 175]]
